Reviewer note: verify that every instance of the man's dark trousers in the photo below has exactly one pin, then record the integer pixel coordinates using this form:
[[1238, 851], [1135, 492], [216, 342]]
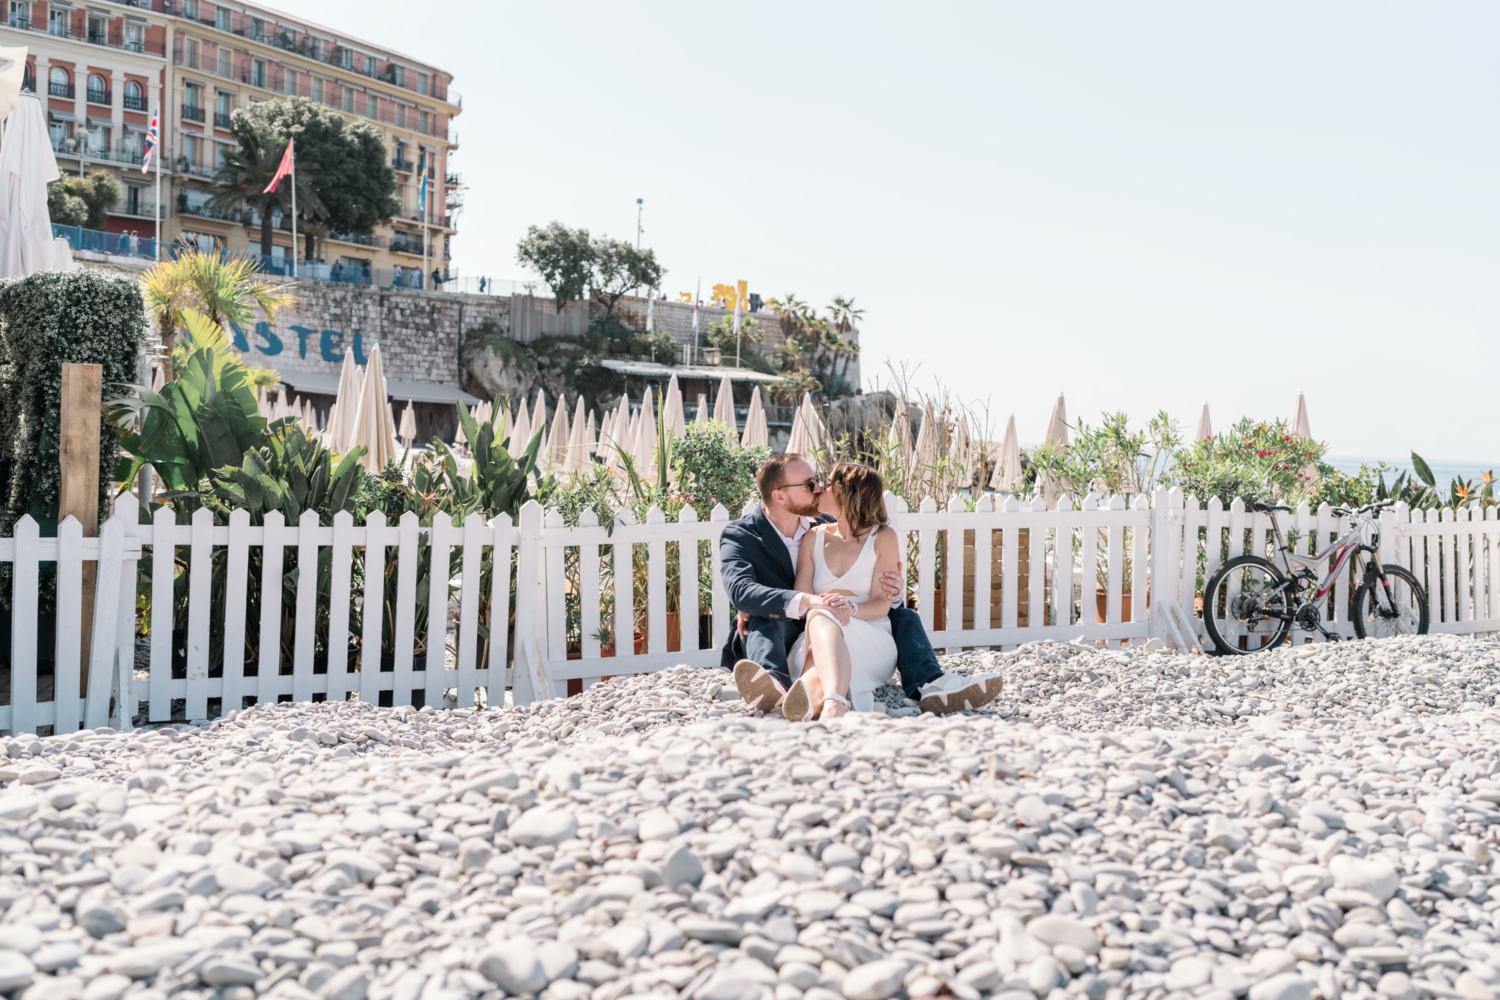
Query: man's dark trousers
[[759, 579]]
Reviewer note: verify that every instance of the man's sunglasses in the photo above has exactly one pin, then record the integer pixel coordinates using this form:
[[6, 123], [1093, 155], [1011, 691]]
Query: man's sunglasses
[[810, 485]]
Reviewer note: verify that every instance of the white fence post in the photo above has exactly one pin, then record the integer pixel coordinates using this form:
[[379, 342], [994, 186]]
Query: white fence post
[[528, 586]]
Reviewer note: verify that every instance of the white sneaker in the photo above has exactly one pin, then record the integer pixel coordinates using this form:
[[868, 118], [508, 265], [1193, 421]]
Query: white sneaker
[[956, 693]]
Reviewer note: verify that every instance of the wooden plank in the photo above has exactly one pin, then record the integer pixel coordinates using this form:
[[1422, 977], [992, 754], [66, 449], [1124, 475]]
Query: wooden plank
[[1463, 609], [470, 572], [953, 572], [554, 646], [1062, 568], [1088, 604], [25, 585], [304, 641], [624, 584], [236, 577], [1010, 578], [983, 548], [200, 607], [1114, 574], [502, 534], [720, 610], [80, 416], [404, 636], [106, 606], [687, 600], [67, 712], [163, 577], [588, 594], [440, 537], [1032, 563], [1140, 554], [656, 587], [927, 570], [340, 581], [268, 662], [528, 564], [372, 608]]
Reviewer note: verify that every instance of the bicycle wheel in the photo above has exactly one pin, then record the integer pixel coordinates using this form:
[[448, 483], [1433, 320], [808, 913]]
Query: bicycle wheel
[[1403, 612], [1245, 606]]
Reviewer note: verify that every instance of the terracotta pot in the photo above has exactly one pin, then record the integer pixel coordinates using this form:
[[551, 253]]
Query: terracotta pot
[[575, 684], [674, 631], [1101, 601]]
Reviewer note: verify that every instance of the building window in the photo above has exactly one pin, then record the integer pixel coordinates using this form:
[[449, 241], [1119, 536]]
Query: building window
[[58, 130], [224, 69], [98, 30], [20, 14], [427, 123], [57, 20], [370, 65], [221, 19], [372, 106], [135, 37], [135, 202], [191, 61], [98, 90], [401, 116], [220, 152], [190, 9], [59, 83], [291, 81], [317, 88], [422, 83], [97, 140], [190, 148], [194, 95], [134, 99], [349, 100], [346, 58]]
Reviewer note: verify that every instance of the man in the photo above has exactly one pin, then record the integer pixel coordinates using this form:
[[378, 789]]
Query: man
[[759, 558]]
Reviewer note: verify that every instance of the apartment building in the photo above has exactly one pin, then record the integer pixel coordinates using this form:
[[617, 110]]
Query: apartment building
[[107, 65]]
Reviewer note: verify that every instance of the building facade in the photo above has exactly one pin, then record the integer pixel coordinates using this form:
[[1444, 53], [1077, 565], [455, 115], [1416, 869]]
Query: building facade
[[102, 69]]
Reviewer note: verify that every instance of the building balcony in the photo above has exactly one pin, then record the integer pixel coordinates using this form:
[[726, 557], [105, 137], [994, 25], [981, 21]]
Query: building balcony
[[100, 97], [404, 165], [61, 90], [65, 28], [135, 103], [193, 114], [221, 120], [401, 243], [359, 239]]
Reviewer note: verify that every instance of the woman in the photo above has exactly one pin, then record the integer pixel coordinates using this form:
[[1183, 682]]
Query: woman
[[838, 667]]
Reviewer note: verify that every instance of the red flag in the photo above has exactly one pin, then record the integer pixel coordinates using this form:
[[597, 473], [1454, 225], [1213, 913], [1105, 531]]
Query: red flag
[[282, 171]]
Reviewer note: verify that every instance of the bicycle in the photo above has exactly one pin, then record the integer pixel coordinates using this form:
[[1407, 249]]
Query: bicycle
[[1250, 605]]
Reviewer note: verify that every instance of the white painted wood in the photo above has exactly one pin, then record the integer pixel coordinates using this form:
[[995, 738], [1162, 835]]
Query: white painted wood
[[926, 569], [656, 584], [26, 555], [528, 600], [404, 637], [983, 551], [104, 649], [687, 600], [163, 572], [1140, 555], [1036, 584], [377, 535], [441, 538], [1062, 568], [273, 557], [236, 588], [953, 571], [720, 610], [496, 679], [340, 585], [66, 675], [305, 638]]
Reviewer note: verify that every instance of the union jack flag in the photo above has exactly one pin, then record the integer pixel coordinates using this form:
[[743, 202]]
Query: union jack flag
[[150, 145]]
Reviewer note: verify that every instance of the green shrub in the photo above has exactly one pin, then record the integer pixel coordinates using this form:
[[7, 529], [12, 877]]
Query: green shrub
[[46, 319], [713, 470]]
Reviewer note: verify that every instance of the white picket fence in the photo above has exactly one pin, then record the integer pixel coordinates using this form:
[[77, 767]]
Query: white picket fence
[[553, 607]]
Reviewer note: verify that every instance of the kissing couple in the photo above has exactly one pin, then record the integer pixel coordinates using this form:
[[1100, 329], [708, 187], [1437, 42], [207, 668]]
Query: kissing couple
[[815, 573]]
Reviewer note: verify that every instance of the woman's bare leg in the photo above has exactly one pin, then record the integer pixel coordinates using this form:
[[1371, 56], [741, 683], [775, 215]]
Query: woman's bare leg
[[829, 655]]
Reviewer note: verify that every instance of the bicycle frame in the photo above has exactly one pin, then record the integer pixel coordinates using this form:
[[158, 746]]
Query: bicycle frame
[[1336, 555]]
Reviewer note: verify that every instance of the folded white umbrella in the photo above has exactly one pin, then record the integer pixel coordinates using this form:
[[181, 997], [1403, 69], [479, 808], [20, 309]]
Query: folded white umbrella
[[591, 434], [520, 432], [1205, 427], [409, 422], [755, 423], [645, 439], [703, 415], [576, 458], [927, 451], [341, 417], [539, 422], [1057, 425], [459, 437], [673, 413], [960, 452], [372, 419], [27, 165], [796, 442], [608, 448], [557, 439], [724, 408], [1304, 431], [1007, 475]]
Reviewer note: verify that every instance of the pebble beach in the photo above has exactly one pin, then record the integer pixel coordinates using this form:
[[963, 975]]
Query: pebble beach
[[1317, 821]]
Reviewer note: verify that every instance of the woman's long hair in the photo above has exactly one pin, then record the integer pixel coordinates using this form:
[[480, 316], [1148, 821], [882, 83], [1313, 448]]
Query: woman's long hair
[[861, 497]]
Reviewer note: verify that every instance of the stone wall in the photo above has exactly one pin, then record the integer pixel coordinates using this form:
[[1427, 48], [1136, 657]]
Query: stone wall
[[419, 333]]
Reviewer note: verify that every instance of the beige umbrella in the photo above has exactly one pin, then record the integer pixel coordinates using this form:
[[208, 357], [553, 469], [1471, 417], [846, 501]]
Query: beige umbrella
[[591, 434], [372, 419], [1057, 426], [539, 423], [575, 455], [807, 428], [309, 422], [1205, 428], [608, 450], [341, 417], [1303, 430], [961, 453], [409, 422], [1007, 475], [557, 440], [672, 411], [927, 450], [796, 442], [724, 408], [520, 432], [703, 416], [755, 422], [459, 437], [645, 439]]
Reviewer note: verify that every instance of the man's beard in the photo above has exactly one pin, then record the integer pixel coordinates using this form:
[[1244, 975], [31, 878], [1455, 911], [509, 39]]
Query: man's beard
[[808, 510]]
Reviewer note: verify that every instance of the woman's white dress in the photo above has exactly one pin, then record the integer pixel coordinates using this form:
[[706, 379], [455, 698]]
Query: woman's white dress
[[872, 651]]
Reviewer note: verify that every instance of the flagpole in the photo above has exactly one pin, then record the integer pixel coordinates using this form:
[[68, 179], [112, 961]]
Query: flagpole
[[289, 145], [156, 153]]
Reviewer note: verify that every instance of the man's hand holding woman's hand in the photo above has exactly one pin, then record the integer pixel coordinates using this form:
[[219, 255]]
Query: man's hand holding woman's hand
[[841, 607]]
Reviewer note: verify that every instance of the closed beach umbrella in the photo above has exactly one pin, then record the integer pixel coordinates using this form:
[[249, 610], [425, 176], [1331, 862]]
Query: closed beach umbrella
[[609, 435], [26, 167], [576, 458], [409, 422], [724, 408], [520, 432], [807, 428], [557, 440], [345, 402], [960, 452], [703, 415], [1057, 426], [645, 439], [672, 412], [927, 450], [539, 423], [755, 423], [591, 434], [373, 427], [1007, 475], [1205, 427], [796, 442], [1303, 430]]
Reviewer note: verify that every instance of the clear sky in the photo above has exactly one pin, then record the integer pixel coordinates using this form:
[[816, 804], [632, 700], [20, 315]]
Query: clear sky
[[1143, 205]]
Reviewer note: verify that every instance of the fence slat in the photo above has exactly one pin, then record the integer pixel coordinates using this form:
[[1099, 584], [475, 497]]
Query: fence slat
[[372, 608], [656, 587], [440, 540], [528, 600], [103, 649], [983, 551], [1062, 568], [953, 572], [687, 600], [65, 670], [471, 574], [1036, 607], [200, 607], [26, 585], [163, 641], [268, 658], [305, 641], [341, 568], [404, 635], [927, 570], [1140, 560], [720, 611], [236, 584], [499, 624]]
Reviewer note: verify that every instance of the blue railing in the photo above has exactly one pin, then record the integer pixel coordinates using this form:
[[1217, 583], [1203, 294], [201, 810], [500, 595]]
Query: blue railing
[[93, 241]]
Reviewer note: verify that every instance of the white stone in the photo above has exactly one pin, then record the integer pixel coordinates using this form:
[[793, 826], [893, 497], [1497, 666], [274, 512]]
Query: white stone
[[874, 980], [1286, 986], [540, 825], [1374, 876], [1055, 929], [514, 966]]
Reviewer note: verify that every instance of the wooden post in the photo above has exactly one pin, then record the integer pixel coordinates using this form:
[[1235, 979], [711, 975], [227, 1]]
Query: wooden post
[[78, 484]]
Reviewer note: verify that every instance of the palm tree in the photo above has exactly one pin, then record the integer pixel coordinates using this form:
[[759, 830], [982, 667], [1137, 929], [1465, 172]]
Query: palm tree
[[246, 174], [792, 312], [224, 290], [843, 316]]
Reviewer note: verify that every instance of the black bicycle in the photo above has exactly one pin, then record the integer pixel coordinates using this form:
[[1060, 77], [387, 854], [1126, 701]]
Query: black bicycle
[[1250, 604]]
